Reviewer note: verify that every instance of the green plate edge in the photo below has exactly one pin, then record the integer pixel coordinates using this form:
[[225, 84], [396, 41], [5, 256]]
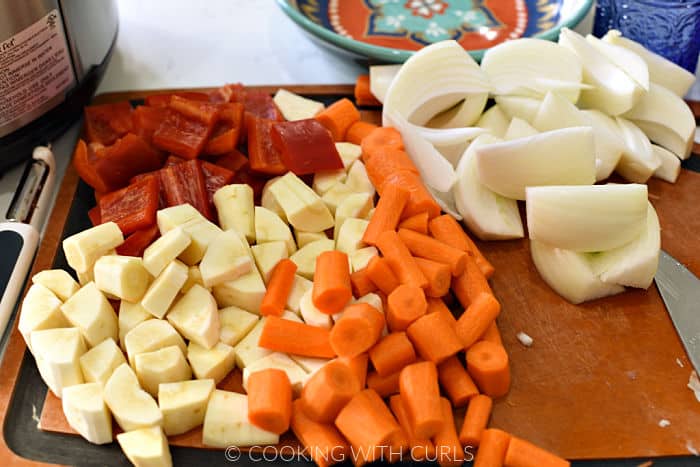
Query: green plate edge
[[389, 55]]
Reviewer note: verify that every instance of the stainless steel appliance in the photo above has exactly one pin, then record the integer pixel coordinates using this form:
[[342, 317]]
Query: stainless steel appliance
[[53, 54]]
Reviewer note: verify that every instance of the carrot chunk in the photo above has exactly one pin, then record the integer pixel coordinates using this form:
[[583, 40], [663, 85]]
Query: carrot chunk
[[361, 283], [475, 420], [521, 453], [358, 131], [434, 337], [487, 363], [439, 276], [283, 335], [393, 352], [357, 330], [324, 443], [418, 386], [387, 213], [427, 247], [400, 259], [332, 289], [447, 445], [421, 448], [492, 448], [456, 382], [328, 390], [338, 117], [381, 275], [406, 304], [477, 318], [270, 400], [417, 223], [446, 229], [384, 385], [277, 293], [363, 94]]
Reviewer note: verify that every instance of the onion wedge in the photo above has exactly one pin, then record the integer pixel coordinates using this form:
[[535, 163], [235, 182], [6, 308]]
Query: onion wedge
[[495, 121], [488, 215], [569, 273], [630, 62], [666, 119], [556, 112], [633, 264], [524, 108], [586, 218], [670, 167], [531, 68], [558, 157], [638, 161], [464, 114], [661, 71], [614, 92], [519, 128], [380, 78]]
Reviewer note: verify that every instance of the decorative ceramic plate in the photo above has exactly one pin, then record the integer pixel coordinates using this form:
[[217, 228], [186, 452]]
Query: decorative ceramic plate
[[390, 30]]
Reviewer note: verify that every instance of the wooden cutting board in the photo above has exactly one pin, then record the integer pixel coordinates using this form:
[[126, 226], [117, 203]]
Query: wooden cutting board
[[598, 378]]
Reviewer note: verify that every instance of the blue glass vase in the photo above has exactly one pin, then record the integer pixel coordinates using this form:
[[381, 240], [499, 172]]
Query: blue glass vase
[[670, 28]]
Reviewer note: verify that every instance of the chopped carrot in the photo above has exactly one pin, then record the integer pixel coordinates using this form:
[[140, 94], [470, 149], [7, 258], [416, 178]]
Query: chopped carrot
[[283, 335], [358, 365], [420, 199], [456, 382], [332, 289], [438, 275], [447, 445], [363, 94], [475, 420], [381, 275], [384, 385], [434, 337], [420, 448], [381, 137], [521, 453], [367, 424], [324, 443], [358, 130], [406, 304], [277, 293], [399, 446], [427, 247], [418, 385], [477, 318], [492, 334], [361, 283], [417, 223], [492, 448], [387, 213], [393, 352], [487, 364], [385, 161], [470, 284], [338, 117], [400, 259], [270, 400], [436, 305], [328, 390], [357, 330], [446, 229]]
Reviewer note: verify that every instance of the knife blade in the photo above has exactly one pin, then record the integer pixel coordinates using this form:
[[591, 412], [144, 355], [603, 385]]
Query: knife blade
[[680, 291]]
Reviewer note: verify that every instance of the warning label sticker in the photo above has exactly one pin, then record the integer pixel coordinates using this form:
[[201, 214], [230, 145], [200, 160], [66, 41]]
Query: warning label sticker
[[35, 72]]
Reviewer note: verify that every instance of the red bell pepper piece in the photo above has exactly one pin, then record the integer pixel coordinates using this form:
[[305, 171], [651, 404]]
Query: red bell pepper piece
[[214, 178], [129, 156], [232, 161], [173, 160], [227, 131], [262, 155], [95, 216], [146, 120], [184, 183], [137, 242], [133, 207], [106, 122], [205, 112], [306, 146], [163, 99], [238, 92], [84, 158], [183, 136], [261, 105]]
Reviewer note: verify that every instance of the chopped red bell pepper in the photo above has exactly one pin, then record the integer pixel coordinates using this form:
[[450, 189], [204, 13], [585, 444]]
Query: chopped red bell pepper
[[262, 155], [146, 120], [227, 131], [224, 142], [215, 177], [184, 183], [163, 99], [106, 122], [133, 207], [261, 105], [305, 146], [183, 136], [137, 242], [205, 112], [129, 156], [173, 160], [95, 216], [238, 92], [232, 161], [84, 158]]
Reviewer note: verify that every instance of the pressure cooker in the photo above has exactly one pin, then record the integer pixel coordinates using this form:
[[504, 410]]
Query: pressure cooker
[[53, 54]]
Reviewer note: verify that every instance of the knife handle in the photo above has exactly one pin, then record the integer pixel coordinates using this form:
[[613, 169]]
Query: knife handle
[[19, 243]]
